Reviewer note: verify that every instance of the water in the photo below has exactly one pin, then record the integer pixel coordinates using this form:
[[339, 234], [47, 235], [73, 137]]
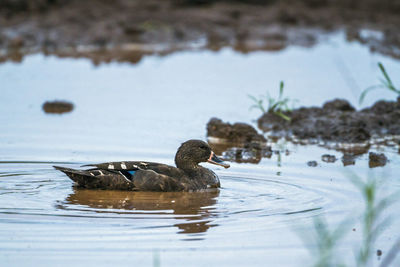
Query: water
[[143, 112]]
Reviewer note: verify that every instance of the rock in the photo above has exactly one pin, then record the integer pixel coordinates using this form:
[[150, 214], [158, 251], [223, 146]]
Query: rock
[[312, 163], [348, 159], [57, 107], [328, 158], [377, 160]]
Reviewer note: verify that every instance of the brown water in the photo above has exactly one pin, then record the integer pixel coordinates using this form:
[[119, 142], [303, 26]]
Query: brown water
[[143, 112]]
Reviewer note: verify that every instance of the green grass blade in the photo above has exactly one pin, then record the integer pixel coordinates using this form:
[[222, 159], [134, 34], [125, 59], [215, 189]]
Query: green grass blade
[[366, 91], [385, 74], [283, 116], [253, 98]]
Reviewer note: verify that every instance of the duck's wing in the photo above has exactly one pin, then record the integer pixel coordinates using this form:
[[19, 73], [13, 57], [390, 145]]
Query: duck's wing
[[133, 180], [98, 179], [147, 176], [129, 167]]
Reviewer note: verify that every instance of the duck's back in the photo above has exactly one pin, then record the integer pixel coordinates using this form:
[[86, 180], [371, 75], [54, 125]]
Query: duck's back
[[142, 176]]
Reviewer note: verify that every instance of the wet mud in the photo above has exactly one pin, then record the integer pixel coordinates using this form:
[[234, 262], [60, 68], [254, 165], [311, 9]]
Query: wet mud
[[233, 133], [238, 142], [57, 107], [312, 163], [328, 158], [348, 159], [377, 160], [114, 30], [337, 122]]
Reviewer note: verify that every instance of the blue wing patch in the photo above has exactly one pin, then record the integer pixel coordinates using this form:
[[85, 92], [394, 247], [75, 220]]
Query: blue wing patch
[[128, 174]]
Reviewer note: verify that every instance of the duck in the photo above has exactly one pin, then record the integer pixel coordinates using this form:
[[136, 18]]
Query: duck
[[188, 175]]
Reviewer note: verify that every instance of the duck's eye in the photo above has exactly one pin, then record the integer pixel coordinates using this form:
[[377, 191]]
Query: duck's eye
[[203, 147]]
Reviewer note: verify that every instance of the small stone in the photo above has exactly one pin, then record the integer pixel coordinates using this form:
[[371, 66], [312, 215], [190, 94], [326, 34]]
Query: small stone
[[348, 159], [57, 107], [328, 158], [379, 252], [312, 163], [377, 160]]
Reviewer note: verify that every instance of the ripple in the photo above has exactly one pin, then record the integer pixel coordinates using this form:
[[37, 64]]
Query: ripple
[[253, 203]]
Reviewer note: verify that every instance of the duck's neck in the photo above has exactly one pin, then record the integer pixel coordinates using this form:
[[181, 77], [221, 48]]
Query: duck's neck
[[186, 165]]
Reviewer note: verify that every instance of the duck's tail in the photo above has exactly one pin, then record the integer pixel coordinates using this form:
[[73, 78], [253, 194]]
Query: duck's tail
[[80, 177]]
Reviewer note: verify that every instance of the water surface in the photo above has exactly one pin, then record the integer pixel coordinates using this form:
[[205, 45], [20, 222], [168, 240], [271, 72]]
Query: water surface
[[143, 112]]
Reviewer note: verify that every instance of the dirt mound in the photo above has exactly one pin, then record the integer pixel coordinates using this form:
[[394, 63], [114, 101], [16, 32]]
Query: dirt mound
[[241, 133], [238, 142], [336, 121]]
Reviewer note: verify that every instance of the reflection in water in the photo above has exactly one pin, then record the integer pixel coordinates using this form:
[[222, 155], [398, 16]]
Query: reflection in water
[[195, 206]]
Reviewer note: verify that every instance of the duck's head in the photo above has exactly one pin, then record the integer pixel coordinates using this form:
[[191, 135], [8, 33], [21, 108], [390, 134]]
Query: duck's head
[[192, 152]]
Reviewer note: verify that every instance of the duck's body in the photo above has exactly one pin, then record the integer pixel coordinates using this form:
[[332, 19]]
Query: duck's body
[[150, 176]]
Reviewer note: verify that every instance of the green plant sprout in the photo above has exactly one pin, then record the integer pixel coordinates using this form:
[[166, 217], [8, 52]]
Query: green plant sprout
[[276, 106], [325, 241], [386, 83], [373, 224]]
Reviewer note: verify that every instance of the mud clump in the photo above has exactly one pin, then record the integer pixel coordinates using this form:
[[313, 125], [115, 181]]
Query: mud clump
[[312, 163], [233, 133], [336, 121], [328, 158], [348, 159], [338, 104], [377, 160], [57, 107], [238, 142]]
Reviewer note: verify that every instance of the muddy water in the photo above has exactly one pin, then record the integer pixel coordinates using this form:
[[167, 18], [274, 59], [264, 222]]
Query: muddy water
[[143, 112]]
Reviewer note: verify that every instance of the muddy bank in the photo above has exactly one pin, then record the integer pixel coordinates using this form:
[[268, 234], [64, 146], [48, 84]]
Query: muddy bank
[[337, 122], [96, 28], [237, 133], [238, 142]]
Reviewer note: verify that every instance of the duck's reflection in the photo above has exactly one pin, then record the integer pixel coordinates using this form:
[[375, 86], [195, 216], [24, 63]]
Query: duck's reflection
[[197, 206]]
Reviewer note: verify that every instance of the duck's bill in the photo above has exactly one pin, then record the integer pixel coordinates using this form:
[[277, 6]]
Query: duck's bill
[[217, 161]]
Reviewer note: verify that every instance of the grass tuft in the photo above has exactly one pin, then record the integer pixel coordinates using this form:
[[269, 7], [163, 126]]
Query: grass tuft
[[386, 83], [277, 106]]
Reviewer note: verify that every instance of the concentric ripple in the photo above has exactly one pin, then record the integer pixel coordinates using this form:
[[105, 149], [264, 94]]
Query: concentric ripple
[[36, 193]]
